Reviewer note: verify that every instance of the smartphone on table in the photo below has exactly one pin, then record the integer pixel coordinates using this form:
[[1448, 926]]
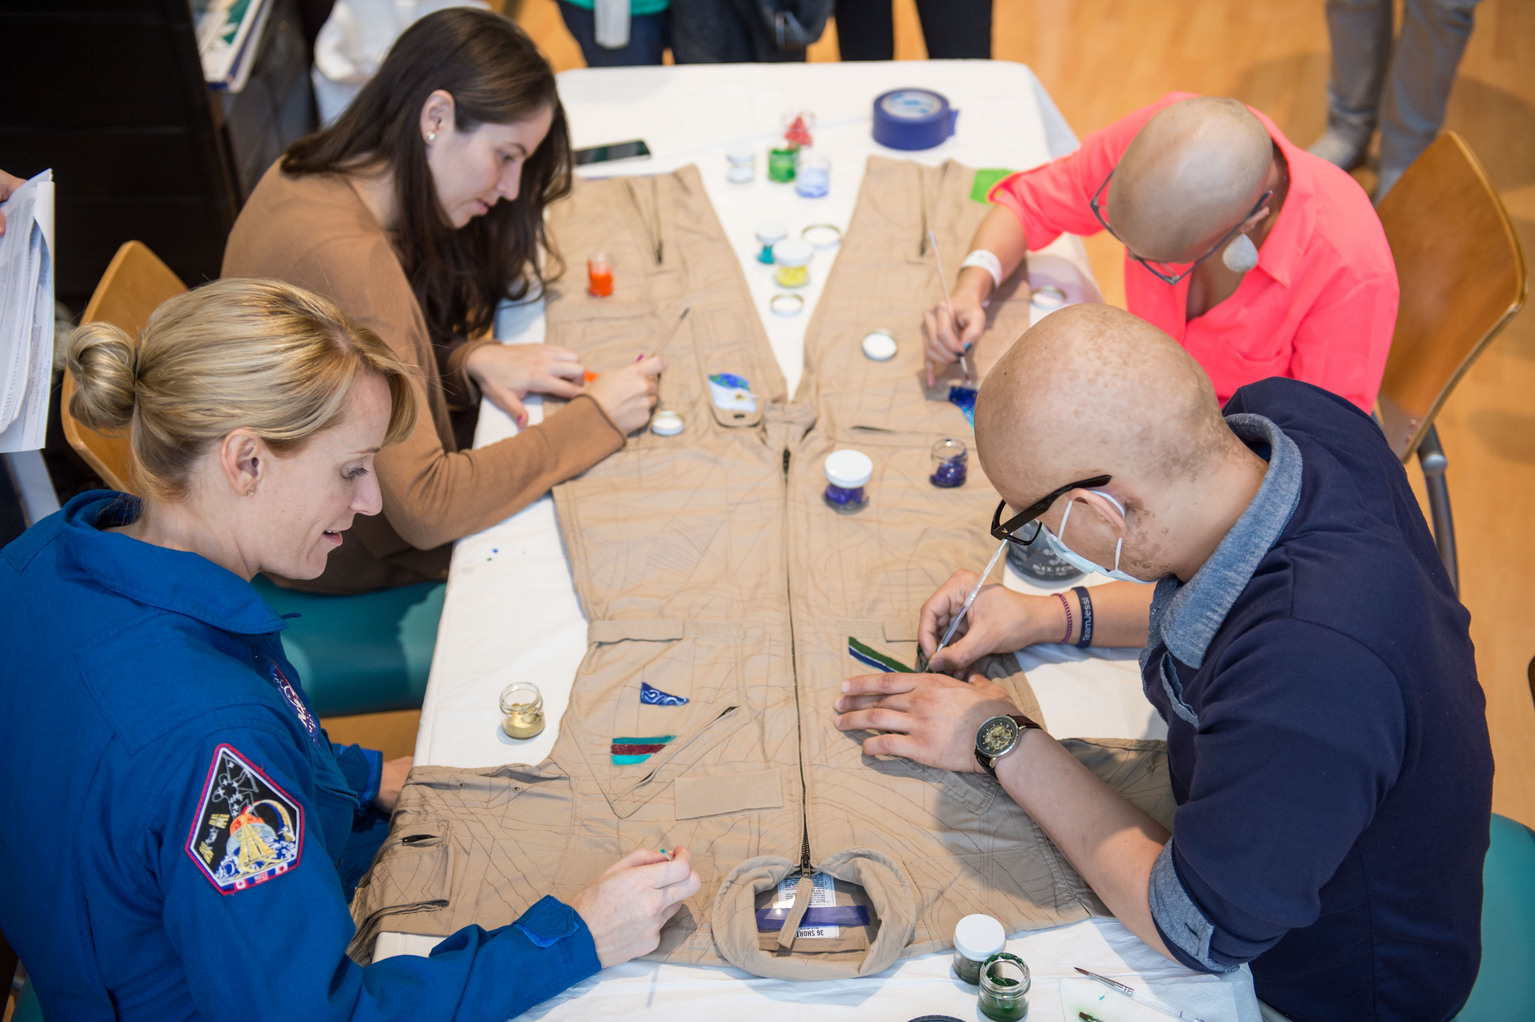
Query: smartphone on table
[[636, 149]]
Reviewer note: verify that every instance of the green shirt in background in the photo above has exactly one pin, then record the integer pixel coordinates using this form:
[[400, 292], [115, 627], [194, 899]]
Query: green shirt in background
[[636, 7]]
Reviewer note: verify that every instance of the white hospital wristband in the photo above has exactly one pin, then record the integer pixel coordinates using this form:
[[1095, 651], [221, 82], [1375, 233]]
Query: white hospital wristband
[[988, 262]]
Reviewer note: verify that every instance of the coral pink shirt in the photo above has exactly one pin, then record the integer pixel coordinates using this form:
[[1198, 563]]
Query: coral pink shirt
[[1319, 307]]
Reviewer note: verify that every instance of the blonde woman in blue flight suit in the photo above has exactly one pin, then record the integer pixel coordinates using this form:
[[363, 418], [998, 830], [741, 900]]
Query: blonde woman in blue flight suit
[[179, 831]]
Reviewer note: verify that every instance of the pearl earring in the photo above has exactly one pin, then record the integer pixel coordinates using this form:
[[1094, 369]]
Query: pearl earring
[[431, 137], [251, 492]]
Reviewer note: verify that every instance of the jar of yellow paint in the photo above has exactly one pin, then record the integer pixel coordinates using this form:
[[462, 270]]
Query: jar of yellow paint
[[522, 710], [792, 259]]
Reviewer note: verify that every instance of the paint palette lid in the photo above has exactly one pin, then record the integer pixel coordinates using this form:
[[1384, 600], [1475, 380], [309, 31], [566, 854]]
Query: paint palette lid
[[666, 423], [879, 345], [848, 468]]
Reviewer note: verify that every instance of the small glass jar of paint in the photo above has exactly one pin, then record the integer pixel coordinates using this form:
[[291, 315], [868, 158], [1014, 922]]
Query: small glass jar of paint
[[812, 174], [741, 159], [792, 257], [976, 938], [781, 163], [769, 233], [847, 473], [950, 460], [1004, 984], [599, 275], [522, 710]]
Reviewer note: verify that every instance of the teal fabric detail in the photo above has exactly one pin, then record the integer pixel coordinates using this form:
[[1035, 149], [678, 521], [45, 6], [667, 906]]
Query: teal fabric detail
[[630, 760], [636, 7], [1505, 987], [368, 653]]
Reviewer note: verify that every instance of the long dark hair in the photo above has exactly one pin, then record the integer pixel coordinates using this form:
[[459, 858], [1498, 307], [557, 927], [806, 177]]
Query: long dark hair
[[496, 76]]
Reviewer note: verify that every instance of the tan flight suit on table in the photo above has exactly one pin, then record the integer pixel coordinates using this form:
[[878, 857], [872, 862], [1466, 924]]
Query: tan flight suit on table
[[710, 569]]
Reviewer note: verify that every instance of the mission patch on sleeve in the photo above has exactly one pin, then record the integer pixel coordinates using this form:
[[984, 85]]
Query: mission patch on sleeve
[[247, 829]]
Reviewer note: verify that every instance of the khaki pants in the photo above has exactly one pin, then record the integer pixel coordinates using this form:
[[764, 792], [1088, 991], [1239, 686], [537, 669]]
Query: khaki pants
[[710, 569]]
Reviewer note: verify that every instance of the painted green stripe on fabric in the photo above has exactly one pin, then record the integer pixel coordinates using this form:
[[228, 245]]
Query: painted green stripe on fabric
[[630, 760], [854, 646]]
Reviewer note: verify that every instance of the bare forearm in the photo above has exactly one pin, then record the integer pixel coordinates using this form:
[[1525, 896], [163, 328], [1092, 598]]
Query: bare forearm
[[1121, 615], [1108, 840], [1002, 235]]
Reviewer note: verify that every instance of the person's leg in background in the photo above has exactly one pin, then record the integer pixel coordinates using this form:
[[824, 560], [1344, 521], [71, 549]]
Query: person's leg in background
[[866, 29], [729, 31], [1434, 34], [1360, 32], [649, 37], [954, 29]]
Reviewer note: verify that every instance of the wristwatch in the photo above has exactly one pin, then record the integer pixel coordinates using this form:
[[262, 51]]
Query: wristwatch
[[997, 736]]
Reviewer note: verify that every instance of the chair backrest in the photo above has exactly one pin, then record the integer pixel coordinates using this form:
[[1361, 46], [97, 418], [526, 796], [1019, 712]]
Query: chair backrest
[[1462, 276], [134, 285]]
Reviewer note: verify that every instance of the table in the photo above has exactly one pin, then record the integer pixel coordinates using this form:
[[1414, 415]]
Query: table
[[511, 611]]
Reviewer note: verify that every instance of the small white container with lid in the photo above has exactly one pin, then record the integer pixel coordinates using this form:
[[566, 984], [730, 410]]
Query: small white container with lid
[[792, 257], [742, 159], [847, 473], [879, 345], [976, 938], [769, 233], [666, 423]]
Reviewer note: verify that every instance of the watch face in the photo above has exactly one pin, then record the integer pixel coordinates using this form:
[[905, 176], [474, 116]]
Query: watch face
[[996, 736]]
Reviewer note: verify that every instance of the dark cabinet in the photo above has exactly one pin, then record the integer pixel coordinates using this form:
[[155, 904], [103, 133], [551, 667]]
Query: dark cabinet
[[110, 94]]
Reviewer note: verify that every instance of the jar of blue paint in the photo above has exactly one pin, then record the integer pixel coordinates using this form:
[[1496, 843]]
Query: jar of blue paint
[[950, 461], [847, 473]]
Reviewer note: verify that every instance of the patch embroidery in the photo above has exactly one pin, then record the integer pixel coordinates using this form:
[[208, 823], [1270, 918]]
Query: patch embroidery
[[294, 700], [873, 658], [652, 696], [247, 829], [963, 398], [628, 751]]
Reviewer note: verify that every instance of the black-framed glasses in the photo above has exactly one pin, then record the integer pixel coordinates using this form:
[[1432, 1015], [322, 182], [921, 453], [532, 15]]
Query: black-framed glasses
[[1024, 526], [1161, 271]]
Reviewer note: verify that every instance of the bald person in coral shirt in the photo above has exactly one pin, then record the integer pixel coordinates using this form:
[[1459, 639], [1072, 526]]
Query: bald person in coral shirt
[[1257, 257]]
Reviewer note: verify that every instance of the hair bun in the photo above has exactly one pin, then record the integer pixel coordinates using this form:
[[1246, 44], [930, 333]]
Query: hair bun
[[100, 357]]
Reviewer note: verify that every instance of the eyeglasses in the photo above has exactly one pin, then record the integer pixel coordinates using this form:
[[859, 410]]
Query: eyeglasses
[[1160, 270], [1029, 516]]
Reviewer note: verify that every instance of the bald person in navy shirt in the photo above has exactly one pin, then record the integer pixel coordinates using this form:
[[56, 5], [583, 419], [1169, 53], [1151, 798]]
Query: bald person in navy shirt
[[1327, 743]]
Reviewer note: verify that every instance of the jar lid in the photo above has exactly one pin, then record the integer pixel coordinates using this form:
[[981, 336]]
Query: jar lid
[[665, 423], [978, 937], [879, 345], [793, 252], [741, 152], [850, 469], [771, 231]]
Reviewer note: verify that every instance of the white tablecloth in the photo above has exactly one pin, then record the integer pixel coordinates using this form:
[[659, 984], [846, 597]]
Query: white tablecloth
[[511, 611]]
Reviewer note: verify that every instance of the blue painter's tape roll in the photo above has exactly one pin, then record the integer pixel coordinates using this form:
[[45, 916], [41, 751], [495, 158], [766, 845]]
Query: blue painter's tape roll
[[912, 119]]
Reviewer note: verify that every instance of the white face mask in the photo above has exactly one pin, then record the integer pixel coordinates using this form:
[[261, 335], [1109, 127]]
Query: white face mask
[[1075, 559]]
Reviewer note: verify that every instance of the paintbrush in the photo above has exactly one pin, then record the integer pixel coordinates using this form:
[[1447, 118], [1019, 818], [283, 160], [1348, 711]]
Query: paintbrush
[[923, 661], [948, 303], [662, 342]]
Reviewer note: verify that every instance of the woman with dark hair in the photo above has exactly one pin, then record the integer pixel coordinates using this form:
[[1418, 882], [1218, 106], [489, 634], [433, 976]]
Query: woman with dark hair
[[395, 212]]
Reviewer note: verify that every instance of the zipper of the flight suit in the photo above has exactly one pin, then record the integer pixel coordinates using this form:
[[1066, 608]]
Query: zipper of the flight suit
[[799, 726]]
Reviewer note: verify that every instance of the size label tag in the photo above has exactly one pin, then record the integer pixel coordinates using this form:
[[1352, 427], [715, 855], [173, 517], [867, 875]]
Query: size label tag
[[822, 895]]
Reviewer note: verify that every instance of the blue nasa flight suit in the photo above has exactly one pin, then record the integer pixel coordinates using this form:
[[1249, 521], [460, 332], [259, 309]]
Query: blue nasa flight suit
[[175, 816]]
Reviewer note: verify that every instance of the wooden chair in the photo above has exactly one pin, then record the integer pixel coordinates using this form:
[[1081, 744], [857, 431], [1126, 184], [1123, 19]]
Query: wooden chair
[[133, 286], [369, 653], [1463, 278]]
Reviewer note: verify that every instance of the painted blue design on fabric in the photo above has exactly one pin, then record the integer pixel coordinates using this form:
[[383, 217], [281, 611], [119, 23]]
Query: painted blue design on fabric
[[729, 380], [963, 398], [652, 696]]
